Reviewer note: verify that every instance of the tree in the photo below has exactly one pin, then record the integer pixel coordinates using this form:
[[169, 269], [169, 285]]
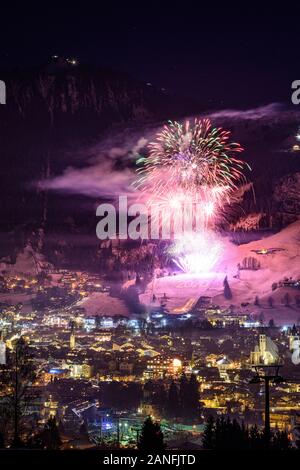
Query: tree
[[226, 434], [208, 438], [5, 416], [294, 330], [151, 438], [280, 441], [256, 301], [192, 399], [286, 299], [256, 438], [250, 263], [227, 290], [261, 318], [18, 377], [270, 302], [271, 323], [48, 438], [51, 436], [173, 400], [183, 394]]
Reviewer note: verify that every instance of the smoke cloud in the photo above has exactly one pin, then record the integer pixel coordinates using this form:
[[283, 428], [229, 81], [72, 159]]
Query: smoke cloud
[[110, 168]]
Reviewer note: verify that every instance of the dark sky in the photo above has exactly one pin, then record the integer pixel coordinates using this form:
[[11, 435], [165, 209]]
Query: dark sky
[[239, 58]]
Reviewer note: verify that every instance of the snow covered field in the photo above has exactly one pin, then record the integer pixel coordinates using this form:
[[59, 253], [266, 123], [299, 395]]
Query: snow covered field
[[180, 292], [99, 303]]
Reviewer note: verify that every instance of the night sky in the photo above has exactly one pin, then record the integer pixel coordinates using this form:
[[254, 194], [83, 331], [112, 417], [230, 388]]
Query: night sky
[[236, 58]]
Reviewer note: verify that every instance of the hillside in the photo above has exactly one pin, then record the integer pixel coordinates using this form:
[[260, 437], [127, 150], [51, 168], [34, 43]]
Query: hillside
[[183, 290], [54, 114]]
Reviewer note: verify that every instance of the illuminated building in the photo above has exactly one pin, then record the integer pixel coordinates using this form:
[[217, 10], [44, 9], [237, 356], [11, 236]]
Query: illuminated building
[[80, 370], [2, 351], [72, 340], [294, 341], [106, 322], [223, 365], [177, 366], [160, 367], [103, 336], [50, 407], [89, 323], [56, 321], [52, 373], [266, 353], [294, 344]]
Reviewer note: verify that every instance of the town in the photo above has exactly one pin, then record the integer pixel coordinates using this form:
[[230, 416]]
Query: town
[[100, 376]]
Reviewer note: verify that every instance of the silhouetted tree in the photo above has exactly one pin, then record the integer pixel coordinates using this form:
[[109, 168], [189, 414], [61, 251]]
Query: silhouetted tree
[[250, 263], [226, 434], [280, 441], [271, 323], [151, 438], [227, 290], [286, 299], [192, 398], [183, 394], [256, 439], [18, 375], [160, 396], [173, 400], [208, 438], [48, 438]]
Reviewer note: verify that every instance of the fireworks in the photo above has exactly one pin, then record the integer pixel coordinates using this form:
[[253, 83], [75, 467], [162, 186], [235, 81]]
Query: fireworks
[[196, 252], [191, 169], [190, 157]]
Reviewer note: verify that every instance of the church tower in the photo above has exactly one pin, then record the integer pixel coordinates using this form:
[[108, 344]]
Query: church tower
[[72, 339], [2, 350]]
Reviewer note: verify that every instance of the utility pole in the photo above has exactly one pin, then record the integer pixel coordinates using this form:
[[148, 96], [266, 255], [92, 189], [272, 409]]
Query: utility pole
[[266, 374], [16, 397], [267, 409]]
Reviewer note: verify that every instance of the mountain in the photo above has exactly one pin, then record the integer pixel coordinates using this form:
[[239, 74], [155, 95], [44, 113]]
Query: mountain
[[58, 108], [59, 115]]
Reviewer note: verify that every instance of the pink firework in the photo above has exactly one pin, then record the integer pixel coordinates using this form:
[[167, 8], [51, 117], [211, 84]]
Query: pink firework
[[190, 174]]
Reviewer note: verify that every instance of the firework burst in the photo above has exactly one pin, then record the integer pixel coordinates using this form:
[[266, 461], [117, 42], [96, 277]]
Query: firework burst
[[196, 252], [191, 165], [189, 157]]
